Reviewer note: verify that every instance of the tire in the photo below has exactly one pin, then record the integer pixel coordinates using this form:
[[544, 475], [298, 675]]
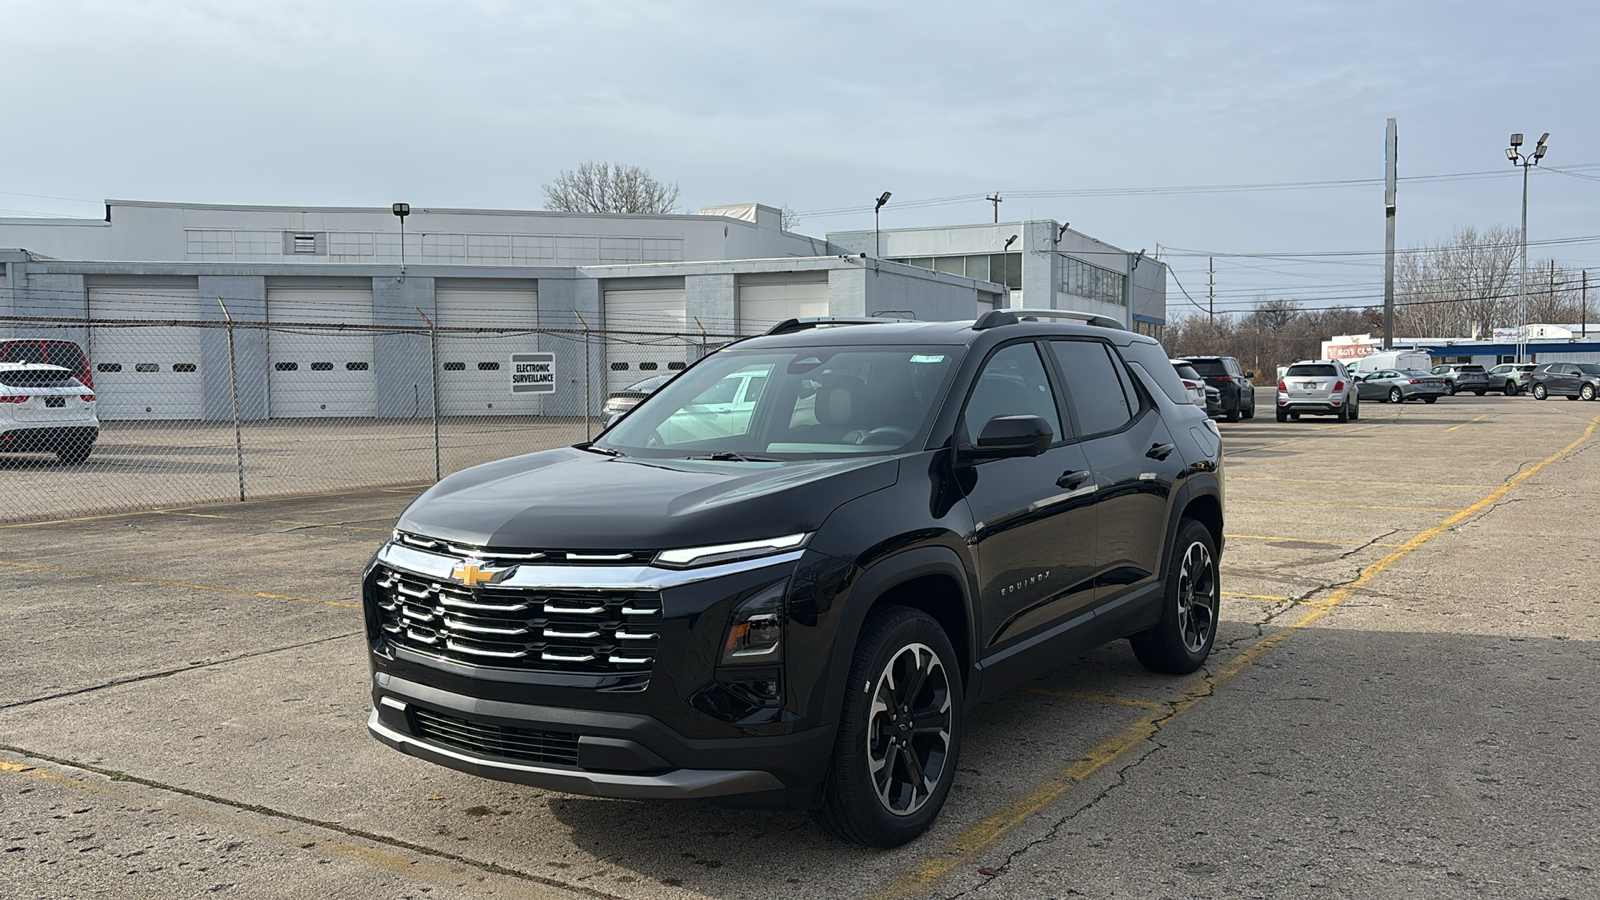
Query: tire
[[1511, 389], [1294, 416], [1343, 414], [1355, 409], [1450, 388], [1181, 641], [1586, 392], [1250, 411], [1480, 393], [1429, 399], [857, 806], [1572, 396], [1540, 392], [1395, 396], [1283, 416], [1232, 415]]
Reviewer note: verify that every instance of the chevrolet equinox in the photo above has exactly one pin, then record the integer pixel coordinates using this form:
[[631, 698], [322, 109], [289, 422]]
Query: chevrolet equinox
[[792, 601]]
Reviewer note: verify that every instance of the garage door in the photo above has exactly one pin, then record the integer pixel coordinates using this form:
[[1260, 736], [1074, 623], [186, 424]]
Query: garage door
[[474, 369], [319, 371], [632, 353], [146, 372], [762, 306]]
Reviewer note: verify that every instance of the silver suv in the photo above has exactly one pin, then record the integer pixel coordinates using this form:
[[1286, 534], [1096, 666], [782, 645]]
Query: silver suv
[[1319, 387]]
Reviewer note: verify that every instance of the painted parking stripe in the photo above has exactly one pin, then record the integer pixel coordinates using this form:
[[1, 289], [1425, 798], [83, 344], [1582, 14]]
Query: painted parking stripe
[[1465, 424], [964, 849]]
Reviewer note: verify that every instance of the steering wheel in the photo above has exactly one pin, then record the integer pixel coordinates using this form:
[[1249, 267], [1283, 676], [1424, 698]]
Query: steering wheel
[[895, 431]]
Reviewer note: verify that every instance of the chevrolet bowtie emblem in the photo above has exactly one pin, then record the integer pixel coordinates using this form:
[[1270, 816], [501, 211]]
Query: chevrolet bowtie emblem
[[469, 574]]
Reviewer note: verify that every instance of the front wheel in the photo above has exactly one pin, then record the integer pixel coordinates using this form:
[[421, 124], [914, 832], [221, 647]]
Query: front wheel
[[1429, 399], [1540, 392], [1480, 393], [899, 732], [1511, 389], [1450, 388], [1181, 641], [1586, 392], [1395, 396]]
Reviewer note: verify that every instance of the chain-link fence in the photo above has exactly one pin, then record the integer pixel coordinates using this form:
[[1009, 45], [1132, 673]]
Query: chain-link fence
[[192, 413]]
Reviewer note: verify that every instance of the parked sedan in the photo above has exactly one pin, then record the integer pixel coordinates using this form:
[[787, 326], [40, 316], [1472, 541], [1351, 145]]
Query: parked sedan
[[619, 402], [1460, 377], [1398, 386], [1510, 378], [1575, 381]]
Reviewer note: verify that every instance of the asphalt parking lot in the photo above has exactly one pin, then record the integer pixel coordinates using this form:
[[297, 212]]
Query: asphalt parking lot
[[1401, 704]]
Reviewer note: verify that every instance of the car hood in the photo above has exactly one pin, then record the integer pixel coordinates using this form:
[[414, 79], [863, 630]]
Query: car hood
[[579, 500]]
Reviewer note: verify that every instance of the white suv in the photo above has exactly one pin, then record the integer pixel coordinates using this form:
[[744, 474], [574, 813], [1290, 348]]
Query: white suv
[[45, 409], [1318, 387]]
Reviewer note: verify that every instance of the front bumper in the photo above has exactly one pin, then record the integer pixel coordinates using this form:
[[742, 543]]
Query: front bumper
[[621, 755]]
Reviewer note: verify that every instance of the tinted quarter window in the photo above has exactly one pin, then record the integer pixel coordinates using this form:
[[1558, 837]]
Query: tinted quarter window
[[1012, 383], [1098, 385]]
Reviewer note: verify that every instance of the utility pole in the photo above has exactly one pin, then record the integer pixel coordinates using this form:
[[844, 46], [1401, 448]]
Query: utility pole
[[1211, 286], [1391, 150], [996, 201], [1584, 332]]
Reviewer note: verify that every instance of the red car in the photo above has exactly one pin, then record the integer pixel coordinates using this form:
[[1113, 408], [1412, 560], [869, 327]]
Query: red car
[[48, 351]]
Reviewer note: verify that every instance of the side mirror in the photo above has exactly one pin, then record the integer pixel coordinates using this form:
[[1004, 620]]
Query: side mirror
[[1006, 436], [1249, 374]]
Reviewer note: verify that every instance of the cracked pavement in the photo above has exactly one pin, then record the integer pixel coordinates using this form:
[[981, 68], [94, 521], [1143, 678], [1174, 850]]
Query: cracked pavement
[[189, 721]]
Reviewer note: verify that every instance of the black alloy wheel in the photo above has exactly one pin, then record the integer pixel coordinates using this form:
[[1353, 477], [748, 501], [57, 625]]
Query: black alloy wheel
[[1181, 641], [899, 732]]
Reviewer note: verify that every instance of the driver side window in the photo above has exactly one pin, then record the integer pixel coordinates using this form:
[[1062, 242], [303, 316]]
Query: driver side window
[[1012, 383]]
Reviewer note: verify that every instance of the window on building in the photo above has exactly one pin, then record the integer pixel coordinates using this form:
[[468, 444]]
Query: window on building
[[1091, 281], [1000, 268]]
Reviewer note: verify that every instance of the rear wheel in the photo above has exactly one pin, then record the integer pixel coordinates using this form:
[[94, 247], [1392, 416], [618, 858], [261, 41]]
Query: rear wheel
[[1182, 640], [1343, 414], [1540, 392], [1450, 388], [899, 732], [1511, 388], [1480, 393], [1250, 411], [1355, 409], [1429, 399], [1283, 416], [74, 451], [1395, 396]]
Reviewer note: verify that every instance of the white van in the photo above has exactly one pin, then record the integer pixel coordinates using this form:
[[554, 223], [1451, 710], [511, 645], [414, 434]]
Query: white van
[[1390, 359]]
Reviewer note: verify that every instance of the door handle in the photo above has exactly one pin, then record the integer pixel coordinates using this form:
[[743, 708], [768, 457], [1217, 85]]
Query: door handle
[[1160, 451], [1070, 480]]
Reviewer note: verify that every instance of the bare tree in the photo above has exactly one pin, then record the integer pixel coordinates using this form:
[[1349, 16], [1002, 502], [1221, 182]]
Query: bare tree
[[600, 187], [1466, 284], [791, 219]]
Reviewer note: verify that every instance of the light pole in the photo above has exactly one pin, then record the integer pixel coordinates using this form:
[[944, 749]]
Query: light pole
[[877, 242], [1526, 161], [401, 210]]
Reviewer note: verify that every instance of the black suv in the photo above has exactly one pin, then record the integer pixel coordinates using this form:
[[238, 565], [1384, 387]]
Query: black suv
[[794, 601], [1227, 376]]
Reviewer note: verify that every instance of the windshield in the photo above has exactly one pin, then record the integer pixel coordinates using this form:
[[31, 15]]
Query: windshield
[[790, 404], [1313, 369]]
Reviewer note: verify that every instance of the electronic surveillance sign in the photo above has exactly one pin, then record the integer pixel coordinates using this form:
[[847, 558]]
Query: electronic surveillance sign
[[533, 373]]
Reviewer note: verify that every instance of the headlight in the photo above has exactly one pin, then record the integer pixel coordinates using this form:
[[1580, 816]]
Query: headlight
[[756, 633], [721, 553]]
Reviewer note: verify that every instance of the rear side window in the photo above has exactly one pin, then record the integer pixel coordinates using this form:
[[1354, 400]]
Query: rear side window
[[1101, 393], [23, 351], [1314, 371]]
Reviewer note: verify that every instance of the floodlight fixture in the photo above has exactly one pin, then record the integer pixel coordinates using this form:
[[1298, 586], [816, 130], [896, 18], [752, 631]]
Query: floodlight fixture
[[1516, 139], [882, 200], [401, 209], [1009, 241]]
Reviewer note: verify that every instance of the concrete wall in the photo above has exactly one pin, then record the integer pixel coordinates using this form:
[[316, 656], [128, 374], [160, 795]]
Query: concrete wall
[[401, 363], [246, 298]]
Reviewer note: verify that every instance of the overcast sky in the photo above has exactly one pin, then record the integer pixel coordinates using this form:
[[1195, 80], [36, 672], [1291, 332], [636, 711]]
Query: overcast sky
[[821, 106]]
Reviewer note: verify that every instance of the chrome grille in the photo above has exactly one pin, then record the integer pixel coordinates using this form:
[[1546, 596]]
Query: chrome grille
[[594, 632], [485, 739]]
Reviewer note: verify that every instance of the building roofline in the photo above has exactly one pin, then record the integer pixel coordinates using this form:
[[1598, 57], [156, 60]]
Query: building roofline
[[436, 210]]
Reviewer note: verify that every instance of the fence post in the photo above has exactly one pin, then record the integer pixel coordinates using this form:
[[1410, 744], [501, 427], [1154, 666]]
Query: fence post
[[588, 403], [233, 385], [433, 380]]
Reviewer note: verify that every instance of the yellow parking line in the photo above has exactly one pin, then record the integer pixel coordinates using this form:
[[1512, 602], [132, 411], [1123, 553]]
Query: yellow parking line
[[194, 515], [961, 851], [1235, 479], [1342, 505], [139, 579], [1465, 424], [1096, 698], [1265, 537]]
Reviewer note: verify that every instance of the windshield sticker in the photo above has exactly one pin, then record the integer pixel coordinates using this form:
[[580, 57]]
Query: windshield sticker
[[927, 359]]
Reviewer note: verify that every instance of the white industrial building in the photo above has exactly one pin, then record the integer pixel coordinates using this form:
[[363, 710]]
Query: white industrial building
[[335, 307]]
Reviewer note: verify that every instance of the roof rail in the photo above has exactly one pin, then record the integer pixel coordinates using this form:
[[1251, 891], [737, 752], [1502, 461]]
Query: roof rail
[[997, 317], [790, 326]]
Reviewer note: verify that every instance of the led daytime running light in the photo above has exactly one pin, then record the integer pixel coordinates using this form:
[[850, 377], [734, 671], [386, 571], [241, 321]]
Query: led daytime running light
[[699, 556]]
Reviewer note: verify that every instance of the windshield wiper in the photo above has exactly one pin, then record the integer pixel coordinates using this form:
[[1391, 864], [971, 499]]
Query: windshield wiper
[[730, 456], [606, 450]]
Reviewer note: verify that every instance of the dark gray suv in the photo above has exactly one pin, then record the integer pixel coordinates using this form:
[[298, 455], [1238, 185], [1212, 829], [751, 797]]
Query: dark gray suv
[[1226, 375], [795, 601]]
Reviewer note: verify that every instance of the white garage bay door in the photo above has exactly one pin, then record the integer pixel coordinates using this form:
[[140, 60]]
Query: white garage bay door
[[632, 319], [762, 306], [150, 372], [475, 369], [313, 368]]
